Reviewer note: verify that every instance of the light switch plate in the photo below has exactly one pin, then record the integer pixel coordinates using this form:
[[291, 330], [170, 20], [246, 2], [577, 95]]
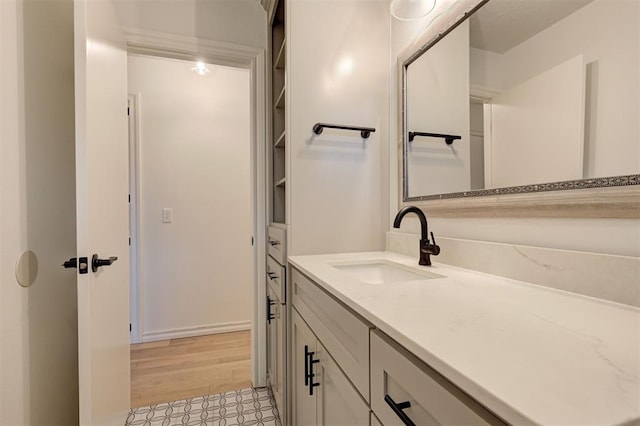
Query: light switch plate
[[167, 215]]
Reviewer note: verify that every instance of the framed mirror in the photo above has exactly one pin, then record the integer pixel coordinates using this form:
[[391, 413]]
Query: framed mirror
[[524, 108]]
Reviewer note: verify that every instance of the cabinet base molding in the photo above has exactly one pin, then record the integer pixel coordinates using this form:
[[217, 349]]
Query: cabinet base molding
[[200, 330]]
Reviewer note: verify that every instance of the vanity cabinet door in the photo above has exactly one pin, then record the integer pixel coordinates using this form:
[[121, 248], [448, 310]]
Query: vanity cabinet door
[[272, 305], [344, 334], [418, 392], [276, 348], [338, 401], [374, 420], [278, 383], [303, 404]]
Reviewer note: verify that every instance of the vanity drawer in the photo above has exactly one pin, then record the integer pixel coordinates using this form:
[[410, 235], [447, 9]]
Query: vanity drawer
[[276, 277], [345, 336], [398, 374], [277, 244]]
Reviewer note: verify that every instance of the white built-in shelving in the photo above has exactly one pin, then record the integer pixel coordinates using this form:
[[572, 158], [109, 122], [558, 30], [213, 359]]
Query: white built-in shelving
[[278, 113]]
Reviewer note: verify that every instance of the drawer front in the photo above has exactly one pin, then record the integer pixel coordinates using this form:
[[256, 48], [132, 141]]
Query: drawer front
[[277, 244], [276, 277], [403, 378], [345, 336]]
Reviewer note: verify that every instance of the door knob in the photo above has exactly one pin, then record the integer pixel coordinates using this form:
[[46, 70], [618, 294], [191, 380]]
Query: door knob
[[96, 262], [73, 263]]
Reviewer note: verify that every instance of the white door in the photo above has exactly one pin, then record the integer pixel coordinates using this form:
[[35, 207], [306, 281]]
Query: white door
[[102, 213]]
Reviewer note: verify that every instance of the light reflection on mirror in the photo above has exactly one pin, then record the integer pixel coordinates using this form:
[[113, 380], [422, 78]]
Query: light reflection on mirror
[[539, 91]]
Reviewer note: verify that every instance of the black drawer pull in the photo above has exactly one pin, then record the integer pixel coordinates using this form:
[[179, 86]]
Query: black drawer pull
[[398, 407], [311, 373], [270, 315], [272, 275], [306, 365]]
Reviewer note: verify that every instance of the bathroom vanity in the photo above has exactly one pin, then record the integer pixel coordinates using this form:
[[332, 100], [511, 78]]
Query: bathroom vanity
[[377, 339]]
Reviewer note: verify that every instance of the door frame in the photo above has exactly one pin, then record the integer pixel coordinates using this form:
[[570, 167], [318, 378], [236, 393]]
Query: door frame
[[252, 58], [135, 279]]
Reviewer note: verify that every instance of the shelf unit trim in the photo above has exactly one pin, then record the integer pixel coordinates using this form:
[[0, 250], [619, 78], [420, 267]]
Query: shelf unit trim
[[280, 101], [281, 141], [281, 57]]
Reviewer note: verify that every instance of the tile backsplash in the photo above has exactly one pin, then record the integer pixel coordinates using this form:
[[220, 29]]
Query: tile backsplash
[[614, 278]]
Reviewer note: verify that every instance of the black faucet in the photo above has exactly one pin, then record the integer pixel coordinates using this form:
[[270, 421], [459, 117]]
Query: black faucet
[[426, 248]]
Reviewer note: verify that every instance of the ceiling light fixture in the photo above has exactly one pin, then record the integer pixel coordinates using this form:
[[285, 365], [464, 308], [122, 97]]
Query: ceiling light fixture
[[201, 69], [411, 10]]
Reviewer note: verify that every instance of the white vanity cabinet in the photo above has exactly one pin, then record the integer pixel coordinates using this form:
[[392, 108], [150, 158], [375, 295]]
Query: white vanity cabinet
[[343, 371], [345, 335], [321, 392], [329, 355]]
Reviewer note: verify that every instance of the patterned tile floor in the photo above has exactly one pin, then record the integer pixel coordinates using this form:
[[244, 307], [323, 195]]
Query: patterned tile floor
[[242, 408]]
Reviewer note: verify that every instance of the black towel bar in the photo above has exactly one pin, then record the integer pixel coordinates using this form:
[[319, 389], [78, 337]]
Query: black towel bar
[[365, 132], [447, 138]]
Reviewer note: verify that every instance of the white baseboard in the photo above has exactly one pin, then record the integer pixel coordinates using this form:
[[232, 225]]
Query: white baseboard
[[201, 330]]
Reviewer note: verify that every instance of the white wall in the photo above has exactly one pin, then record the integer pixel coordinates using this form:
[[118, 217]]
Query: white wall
[[438, 102], [337, 58], [38, 325], [195, 159], [607, 35], [232, 21], [542, 115], [612, 236]]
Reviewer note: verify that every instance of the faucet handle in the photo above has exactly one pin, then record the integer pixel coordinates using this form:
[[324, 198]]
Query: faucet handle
[[432, 249]]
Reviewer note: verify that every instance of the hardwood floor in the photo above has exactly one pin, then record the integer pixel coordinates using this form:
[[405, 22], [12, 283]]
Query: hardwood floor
[[175, 369]]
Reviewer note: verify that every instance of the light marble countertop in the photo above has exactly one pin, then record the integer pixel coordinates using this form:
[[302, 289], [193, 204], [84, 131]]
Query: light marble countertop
[[529, 353]]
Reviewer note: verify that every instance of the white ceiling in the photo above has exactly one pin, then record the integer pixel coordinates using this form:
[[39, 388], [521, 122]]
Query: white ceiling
[[502, 24]]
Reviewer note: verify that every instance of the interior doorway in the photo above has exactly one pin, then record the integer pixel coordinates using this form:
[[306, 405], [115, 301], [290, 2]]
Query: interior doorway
[[191, 198], [191, 219], [249, 62]]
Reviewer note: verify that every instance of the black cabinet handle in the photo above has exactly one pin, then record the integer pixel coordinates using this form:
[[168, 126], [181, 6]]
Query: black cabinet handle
[[270, 315], [397, 408], [272, 275], [274, 243], [306, 365], [311, 375]]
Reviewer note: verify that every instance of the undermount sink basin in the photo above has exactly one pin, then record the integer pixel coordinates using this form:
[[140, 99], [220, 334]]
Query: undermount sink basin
[[383, 272]]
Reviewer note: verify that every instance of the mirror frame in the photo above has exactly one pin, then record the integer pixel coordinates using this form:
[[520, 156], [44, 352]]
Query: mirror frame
[[605, 197]]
